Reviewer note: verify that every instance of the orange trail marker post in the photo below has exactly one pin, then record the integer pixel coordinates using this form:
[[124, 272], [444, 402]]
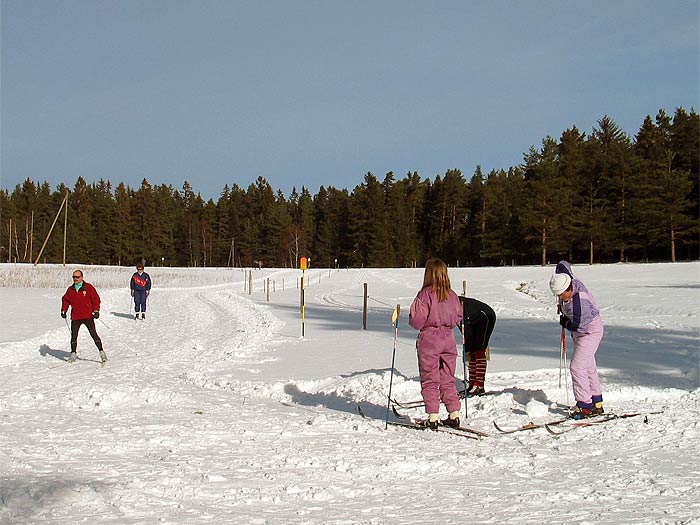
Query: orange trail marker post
[[302, 265]]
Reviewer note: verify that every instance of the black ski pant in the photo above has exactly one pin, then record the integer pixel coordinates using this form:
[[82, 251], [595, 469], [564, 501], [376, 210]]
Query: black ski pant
[[75, 325]]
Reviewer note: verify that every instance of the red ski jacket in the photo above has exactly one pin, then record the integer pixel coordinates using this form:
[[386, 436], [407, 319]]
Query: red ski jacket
[[82, 303]]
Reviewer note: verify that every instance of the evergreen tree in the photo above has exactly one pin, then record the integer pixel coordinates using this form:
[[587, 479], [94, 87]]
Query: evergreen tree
[[170, 215], [475, 216], [261, 200], [415, 190], [500, 240], [123, 249], [572, 171], [614, 164], [301, 227], [368, 224], [401, 205], [333, 239], [8, 211], [20, 212], [80, 229], [146, 218], [103, 241], [646, 212], [685, 144], [544, 215]]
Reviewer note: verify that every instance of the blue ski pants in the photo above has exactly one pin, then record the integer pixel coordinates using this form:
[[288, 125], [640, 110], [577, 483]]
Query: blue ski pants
[[140, 300]]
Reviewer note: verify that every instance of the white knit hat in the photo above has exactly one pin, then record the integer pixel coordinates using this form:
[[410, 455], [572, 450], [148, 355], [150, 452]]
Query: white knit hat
[[559, 283]]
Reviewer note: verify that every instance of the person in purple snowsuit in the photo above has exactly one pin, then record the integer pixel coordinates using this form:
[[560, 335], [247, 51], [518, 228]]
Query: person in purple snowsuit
[[435, 311], [581, 316]]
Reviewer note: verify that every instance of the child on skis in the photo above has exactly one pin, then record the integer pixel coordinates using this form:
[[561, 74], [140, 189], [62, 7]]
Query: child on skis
[[435, 311], [478, 322], [581, 316]]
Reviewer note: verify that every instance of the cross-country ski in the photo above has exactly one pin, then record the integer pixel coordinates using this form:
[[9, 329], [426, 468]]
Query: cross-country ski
[[572, 425]]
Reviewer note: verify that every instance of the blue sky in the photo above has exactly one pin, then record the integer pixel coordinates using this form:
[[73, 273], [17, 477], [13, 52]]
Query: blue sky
[[311, 93]]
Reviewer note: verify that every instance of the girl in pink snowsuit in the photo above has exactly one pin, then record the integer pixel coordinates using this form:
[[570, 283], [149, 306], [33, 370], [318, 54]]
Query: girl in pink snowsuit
[[435, 311], [581, 316]]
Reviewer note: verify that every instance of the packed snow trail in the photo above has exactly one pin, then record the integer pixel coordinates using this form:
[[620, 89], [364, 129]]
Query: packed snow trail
[[214, 410]]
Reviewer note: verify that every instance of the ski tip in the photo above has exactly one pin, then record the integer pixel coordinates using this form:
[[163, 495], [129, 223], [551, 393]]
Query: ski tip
[[497, 427], [548, 428]]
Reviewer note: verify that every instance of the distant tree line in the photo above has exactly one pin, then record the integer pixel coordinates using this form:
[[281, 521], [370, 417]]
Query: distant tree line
[[598, 197]]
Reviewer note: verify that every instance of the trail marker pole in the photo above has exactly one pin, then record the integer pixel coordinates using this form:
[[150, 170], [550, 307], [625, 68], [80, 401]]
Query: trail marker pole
[[364, 308], [302, 264]]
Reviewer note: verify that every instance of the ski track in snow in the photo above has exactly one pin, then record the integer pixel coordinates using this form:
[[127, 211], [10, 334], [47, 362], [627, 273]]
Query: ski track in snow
[[201, 417]]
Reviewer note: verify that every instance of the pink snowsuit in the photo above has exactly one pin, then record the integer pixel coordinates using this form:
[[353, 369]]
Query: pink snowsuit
[[436, 347], [586, 327]]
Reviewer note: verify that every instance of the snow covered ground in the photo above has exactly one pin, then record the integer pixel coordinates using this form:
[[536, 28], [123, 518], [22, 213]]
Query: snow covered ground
[[215, 410]]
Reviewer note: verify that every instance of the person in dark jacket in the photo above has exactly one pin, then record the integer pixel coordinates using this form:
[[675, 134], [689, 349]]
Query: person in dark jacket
[[479, 320], [140, 289], [84, 302]]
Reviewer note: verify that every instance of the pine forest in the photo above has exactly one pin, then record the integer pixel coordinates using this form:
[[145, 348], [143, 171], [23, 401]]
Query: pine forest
[[588, 197]]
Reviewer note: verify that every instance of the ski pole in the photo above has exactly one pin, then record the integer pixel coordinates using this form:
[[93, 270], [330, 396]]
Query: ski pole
[[68, 326], [563, 350], [108, 327], [464, 371], [561, 353], [395, 323], [561, 344]]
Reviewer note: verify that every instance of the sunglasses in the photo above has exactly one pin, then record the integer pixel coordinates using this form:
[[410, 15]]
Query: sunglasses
[[76, 277]]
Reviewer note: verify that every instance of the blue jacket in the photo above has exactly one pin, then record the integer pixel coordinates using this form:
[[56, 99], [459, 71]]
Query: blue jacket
[[140, 283]]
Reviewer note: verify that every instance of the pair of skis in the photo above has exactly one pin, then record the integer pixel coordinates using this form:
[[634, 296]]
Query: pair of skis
[[567, 424], [100, 364], [422, 424]]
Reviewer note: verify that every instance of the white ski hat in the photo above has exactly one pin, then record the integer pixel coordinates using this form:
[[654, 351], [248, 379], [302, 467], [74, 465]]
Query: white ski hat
[[559, 283]]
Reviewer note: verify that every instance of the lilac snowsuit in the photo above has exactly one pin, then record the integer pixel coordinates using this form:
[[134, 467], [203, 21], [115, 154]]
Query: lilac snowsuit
[[586, 328], [437, 351]]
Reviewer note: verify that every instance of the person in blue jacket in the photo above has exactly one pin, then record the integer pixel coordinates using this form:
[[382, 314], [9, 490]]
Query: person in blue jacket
[[140, 288]]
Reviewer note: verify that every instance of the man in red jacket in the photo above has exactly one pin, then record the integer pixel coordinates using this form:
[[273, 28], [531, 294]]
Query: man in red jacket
[[85, 308]]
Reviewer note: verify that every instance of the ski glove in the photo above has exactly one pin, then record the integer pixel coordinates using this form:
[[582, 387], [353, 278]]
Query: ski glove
[[563, 320], [132, 293], [147, 292], [95, 314], [63, 314]]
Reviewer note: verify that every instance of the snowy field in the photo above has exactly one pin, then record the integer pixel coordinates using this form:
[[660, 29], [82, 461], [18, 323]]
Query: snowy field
[[216, 410]]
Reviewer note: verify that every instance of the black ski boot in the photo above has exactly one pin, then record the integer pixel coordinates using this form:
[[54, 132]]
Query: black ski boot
[[452, 422], [476, 391]]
